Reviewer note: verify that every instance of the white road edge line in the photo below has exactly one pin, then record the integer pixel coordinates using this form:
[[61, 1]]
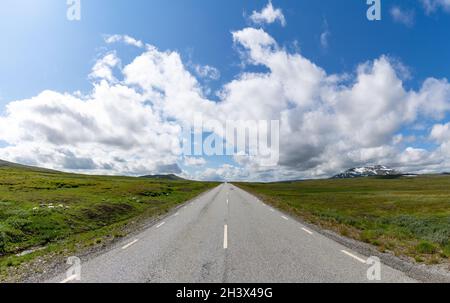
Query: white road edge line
[[225, 237], [130, 244], [285, 218], [353, 256], [176, 215], [71, 278], [160, 224], [307, 231], [272, 210]]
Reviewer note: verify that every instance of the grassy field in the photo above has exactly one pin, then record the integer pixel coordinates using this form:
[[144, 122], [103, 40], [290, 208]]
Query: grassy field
[[56, 211], [407, 216]]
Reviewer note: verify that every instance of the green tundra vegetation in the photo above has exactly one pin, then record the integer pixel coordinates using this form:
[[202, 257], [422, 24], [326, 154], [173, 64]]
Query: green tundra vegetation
[[41, 208], [406, 216]]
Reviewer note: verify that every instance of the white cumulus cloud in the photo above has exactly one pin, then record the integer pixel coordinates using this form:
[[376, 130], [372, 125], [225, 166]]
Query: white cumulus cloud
[[328, 121], [207, 72], [103, 68], [268, 15], [123, 39]]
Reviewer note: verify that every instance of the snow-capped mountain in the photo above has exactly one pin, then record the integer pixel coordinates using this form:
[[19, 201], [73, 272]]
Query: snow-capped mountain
[[367, 171]]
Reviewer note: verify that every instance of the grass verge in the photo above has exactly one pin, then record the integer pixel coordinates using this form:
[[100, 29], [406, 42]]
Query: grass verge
[[406, 216]]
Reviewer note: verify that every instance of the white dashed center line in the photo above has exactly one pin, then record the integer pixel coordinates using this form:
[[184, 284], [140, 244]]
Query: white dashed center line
[[130, 244], [285, 218], [225, 237], [353, 256], [160, 224], [307, 231]]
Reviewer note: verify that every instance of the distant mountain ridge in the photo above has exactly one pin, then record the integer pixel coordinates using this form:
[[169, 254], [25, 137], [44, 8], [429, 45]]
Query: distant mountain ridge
[[164, 177], [10, 164], [21, 166], [6, 164], [367, 171]]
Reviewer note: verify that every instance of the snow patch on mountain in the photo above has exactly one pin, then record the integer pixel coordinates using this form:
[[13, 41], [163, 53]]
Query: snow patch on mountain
[[367, 171]]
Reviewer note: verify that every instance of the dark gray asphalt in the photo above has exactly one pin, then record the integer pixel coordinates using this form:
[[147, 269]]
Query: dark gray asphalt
[[244, 240]]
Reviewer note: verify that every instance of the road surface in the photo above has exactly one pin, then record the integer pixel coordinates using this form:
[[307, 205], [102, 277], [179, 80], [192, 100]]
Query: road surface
[[228, 235]]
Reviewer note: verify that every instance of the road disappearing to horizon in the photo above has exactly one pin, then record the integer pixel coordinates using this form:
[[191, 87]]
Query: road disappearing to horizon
[[229, 236]]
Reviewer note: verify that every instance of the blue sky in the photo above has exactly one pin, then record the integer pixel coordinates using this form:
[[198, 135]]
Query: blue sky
[[42, 50], [58, 54]]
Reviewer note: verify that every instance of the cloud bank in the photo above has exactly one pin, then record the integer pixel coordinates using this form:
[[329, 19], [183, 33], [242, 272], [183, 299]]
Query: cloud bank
[[130, 122]]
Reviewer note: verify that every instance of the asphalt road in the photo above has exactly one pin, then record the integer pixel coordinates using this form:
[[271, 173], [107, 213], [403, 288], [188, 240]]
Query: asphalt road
[[228, 235]]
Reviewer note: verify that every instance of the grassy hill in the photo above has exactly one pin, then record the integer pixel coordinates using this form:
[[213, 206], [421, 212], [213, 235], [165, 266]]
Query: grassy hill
[[408, 216], [43, 208], [170, 177], [6, 164]]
